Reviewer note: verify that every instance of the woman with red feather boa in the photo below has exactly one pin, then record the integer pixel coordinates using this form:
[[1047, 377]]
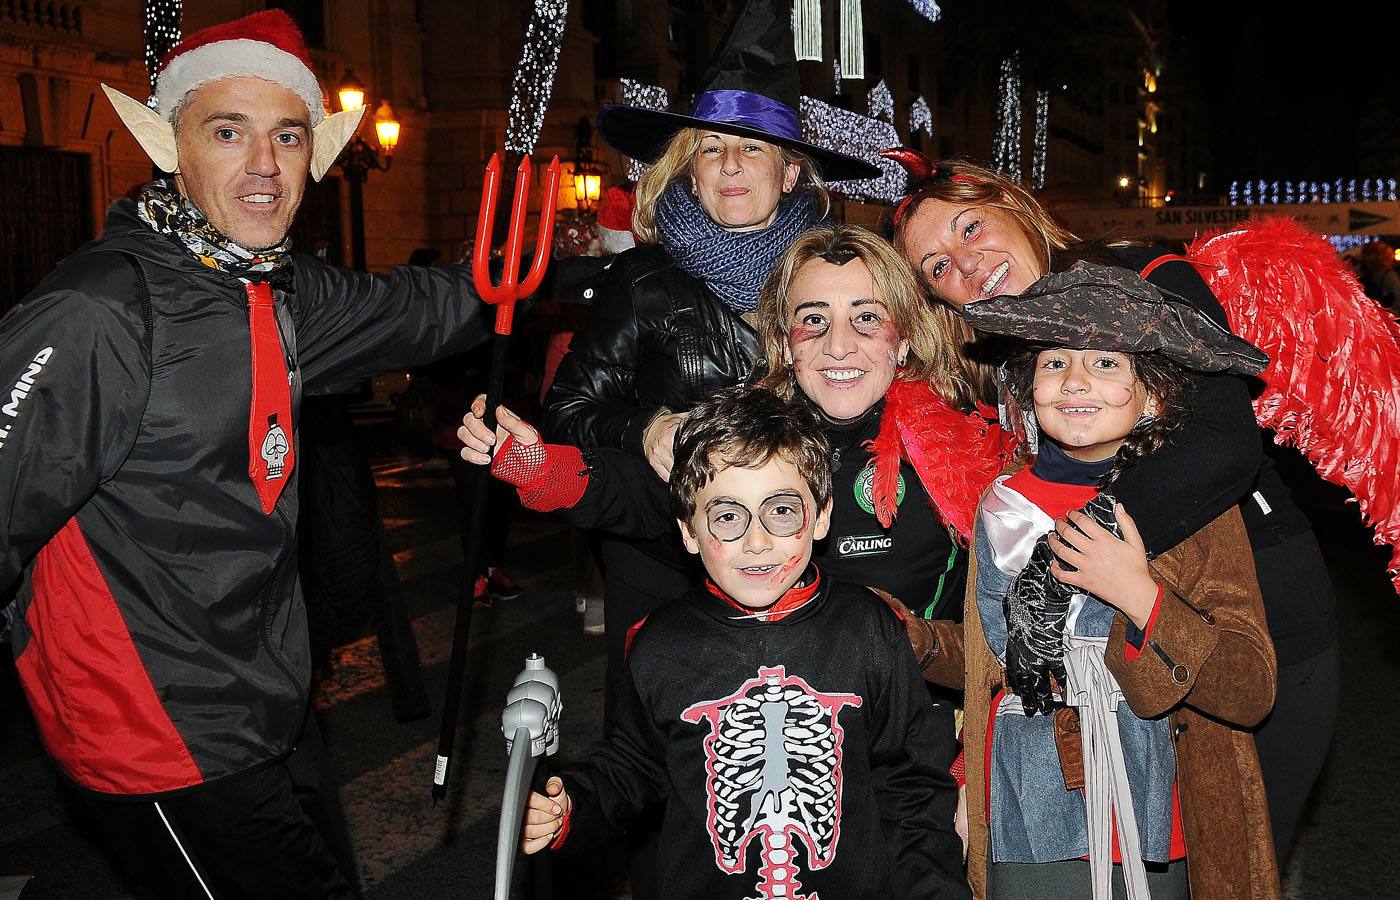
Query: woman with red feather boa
[[969, 234], [843, 328]]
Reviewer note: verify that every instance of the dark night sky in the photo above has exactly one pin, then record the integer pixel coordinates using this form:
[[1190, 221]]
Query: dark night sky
[[1285, 90]]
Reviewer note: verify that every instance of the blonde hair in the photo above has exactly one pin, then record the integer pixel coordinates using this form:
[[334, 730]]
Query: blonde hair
[[678, 161], [936, 337], [961, 181]]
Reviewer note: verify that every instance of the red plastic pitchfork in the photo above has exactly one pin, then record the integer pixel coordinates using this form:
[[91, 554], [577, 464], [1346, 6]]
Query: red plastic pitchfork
[[503, 297]]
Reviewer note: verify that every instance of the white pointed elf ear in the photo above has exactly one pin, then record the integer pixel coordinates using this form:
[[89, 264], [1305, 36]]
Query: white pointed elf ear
[[152, 132], [330, 137]]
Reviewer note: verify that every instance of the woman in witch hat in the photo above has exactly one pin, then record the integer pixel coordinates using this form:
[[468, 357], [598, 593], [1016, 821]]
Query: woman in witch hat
[[731, 186]]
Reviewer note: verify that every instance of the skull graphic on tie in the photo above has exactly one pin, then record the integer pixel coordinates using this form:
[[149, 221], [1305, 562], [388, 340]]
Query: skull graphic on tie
[[774, 773]]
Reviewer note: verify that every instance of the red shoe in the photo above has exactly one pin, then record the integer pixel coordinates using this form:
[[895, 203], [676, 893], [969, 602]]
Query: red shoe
[[500, 584], [481, 595]]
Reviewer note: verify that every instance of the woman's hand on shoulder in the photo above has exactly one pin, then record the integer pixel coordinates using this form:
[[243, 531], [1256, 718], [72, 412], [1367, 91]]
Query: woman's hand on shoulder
[[478, 441], [659, 442], [1111, 568]]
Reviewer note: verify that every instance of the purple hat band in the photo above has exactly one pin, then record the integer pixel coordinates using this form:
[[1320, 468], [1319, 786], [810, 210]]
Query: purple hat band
[[749, 110]]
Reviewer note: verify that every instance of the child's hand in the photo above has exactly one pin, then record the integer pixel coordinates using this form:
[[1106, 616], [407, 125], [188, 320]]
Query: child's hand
[[544, 816], [1111, 569], [478, 441]]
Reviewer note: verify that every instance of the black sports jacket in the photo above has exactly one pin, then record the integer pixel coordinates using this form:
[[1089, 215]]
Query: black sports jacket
[[159, 630]]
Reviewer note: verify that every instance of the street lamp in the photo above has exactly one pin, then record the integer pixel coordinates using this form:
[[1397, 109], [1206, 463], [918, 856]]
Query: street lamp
[[1127, 189], [588, 183], [359, 158], [588, 173]]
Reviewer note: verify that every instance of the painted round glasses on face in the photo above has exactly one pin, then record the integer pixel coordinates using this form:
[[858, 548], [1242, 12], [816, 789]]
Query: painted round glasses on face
[[783, 515]]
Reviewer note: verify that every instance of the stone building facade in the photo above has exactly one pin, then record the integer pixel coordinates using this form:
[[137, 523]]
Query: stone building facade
[[446, 67]]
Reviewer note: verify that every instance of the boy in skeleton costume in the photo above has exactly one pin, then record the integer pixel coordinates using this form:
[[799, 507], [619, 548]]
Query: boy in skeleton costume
[[779, 712]]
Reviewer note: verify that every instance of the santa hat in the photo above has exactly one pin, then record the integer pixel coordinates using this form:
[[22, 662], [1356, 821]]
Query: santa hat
[[266, 45], [615, 218]]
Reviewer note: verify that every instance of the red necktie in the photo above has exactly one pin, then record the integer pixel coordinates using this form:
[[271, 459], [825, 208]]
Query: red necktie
[[270, 451]]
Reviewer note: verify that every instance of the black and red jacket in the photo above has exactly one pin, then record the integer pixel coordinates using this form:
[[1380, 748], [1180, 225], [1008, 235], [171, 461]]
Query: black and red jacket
[[159, 630]]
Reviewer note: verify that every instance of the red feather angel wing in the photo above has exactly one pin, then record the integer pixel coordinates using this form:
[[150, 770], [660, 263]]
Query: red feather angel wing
[[1332, 388]]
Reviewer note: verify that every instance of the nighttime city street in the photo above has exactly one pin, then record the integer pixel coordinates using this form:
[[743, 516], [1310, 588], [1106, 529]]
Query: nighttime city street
[[961, 434]]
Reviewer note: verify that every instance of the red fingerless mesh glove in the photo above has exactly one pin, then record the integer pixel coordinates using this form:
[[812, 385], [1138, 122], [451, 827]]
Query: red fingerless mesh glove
[[546, 476]]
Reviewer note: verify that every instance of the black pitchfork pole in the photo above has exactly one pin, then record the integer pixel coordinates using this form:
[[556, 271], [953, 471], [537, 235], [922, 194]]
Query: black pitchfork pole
[[503, 297]]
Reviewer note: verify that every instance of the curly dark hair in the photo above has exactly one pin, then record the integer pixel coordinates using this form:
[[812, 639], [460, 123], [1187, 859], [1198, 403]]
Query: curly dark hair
[[747, 426], [1170, 384]]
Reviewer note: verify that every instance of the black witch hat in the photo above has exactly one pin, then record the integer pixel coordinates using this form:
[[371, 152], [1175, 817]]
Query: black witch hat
[[750, 90]]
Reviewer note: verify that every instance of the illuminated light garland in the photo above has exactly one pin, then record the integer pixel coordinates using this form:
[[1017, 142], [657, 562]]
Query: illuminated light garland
[[807, 30], [1344, 242], [920, 117], [1006, 151], [647, 96], [534, 78], [928, 9], [880, 103], [1042, 127], [852, 40], [836, 70], [860, 136], [1348, 190], [162, 33]]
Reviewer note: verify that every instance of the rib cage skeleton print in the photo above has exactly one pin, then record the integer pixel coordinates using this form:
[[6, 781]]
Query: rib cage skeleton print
[[773, 772]]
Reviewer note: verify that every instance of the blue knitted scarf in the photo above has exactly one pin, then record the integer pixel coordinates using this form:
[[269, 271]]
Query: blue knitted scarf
[[733, 264]]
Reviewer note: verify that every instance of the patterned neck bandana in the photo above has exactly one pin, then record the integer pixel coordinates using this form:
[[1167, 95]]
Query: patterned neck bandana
[[271, 445], [167, 211]]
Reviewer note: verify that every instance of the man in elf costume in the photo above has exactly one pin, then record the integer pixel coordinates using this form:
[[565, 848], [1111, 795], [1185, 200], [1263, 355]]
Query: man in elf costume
[[148, 468]]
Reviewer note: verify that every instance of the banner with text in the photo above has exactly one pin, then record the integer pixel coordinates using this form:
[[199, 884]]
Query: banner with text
[[1182, 223]]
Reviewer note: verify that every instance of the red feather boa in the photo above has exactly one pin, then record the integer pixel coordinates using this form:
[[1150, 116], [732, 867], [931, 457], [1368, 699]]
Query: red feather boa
[[956, 454]]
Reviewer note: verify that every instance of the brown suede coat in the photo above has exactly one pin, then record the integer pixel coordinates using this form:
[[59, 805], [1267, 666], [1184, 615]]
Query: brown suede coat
[[1220, 679]]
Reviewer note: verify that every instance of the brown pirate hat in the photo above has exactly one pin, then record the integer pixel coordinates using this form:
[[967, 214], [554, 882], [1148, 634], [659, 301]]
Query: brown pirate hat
[[1095, 307]]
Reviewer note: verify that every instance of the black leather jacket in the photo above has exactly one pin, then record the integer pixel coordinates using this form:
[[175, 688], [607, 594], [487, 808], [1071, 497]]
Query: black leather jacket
[[656, 338]]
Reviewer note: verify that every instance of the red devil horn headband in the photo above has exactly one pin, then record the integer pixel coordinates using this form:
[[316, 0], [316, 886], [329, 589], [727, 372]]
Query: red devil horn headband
[[922, 171], [915, 163]]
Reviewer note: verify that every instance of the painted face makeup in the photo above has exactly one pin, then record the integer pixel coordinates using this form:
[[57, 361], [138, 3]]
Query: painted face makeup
[[842, 346], [1087, 401], [967, 253], [753, 529]]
